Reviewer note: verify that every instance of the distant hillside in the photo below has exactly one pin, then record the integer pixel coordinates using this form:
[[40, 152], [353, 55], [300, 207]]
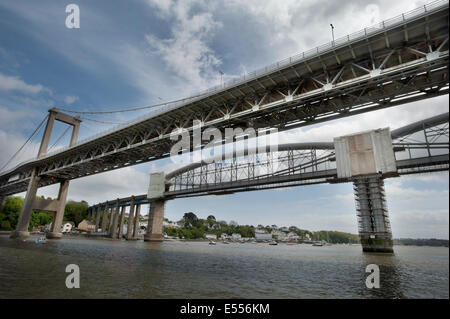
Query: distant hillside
[[421, 242]]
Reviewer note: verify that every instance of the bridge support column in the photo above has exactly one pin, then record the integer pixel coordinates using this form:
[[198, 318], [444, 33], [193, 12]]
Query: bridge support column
[[136, 221], [111, 218], [3, 201], [104, 217], [113, 230], [373, 220], [97, 219], [59, 214], [131, 220], [122, 219], [27, 208], [155, 221]]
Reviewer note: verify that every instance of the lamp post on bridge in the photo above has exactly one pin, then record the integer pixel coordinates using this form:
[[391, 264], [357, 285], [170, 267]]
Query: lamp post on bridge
[[332, 31]]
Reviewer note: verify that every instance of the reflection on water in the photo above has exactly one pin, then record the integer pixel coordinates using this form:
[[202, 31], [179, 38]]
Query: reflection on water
[[120, 269]]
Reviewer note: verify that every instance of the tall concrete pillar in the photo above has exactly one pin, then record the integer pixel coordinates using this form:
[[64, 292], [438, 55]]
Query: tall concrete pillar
[[136, 221], [105, 217], [131, 220], [27, 208], [373, 219], [113, 230], [155, 221], [111, 218], [97, 218], [59, 215], [122, 219], [3, 201]]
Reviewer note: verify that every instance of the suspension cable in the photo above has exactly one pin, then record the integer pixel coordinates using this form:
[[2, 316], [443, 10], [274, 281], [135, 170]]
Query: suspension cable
[[59, 138], [103, 122], [15, 154], [135, 108]]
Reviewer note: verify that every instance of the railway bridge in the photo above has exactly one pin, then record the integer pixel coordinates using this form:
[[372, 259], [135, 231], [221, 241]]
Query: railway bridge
[[398, 61]]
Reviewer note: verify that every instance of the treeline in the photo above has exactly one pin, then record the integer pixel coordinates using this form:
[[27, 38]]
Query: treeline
[[10, 211], [192, 227], [421, 242], [336, 237]]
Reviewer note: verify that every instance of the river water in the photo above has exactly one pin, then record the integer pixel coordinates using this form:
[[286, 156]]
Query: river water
[[137, 269]]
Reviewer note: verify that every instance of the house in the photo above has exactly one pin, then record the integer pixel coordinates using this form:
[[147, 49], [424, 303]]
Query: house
[[224, 236], [262, 235], [236, 236], [66, 227], [86, 225], [211, 236], [291, 236]]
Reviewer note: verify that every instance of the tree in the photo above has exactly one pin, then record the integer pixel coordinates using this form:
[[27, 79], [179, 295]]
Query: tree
[[190, 219], [75, 211], [10, 212]]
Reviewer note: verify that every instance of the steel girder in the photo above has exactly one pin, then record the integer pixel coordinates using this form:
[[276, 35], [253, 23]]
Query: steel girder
[[399, 62], [419, 147]]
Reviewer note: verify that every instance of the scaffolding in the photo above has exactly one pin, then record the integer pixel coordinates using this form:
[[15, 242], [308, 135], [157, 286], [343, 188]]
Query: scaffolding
[[373, 218]]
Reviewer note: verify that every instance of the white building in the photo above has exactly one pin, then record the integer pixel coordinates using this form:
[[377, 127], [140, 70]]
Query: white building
[[263, 236], [224, 236], [211, 236], [236, 236], [291, 236]]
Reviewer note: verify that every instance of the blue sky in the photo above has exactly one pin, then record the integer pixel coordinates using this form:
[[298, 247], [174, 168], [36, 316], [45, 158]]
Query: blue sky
[[138, 53]]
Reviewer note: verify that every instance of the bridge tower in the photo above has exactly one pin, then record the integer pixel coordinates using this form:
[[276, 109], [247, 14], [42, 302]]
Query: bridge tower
[[365, 159], [31, 202]]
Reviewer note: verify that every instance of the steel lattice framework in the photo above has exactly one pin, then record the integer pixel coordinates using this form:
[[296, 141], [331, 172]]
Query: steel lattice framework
[[421, 147], [401, 60]]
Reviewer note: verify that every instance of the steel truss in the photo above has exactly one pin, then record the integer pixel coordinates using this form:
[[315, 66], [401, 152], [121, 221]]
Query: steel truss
[[398, 62]]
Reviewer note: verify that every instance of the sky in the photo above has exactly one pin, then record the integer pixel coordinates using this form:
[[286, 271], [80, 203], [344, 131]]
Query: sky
[[143, 52]]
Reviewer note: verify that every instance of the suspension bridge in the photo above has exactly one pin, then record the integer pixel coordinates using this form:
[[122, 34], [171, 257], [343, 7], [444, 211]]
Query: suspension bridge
[[398, 61]]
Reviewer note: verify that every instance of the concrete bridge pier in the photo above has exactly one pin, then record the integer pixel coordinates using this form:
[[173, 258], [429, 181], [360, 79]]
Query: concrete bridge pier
[[3, 200], [113, 230], [131, 220], [111, 219], [105, 217], [59, 214], [136, 221], [373, 220], [21, 230], [122, 219], [97, 219], [155, 221]]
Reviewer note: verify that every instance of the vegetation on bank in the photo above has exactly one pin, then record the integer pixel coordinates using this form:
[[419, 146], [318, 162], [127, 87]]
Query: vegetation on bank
[[192, 227], [9, 214]]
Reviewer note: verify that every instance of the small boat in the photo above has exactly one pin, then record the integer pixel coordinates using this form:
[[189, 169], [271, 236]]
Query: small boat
[[212, 242], [318, 244], [41, 240], [273, 242]]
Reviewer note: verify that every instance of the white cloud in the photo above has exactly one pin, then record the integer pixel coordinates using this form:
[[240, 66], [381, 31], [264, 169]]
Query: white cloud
[[14, 83], [69, 99], [187, 52]]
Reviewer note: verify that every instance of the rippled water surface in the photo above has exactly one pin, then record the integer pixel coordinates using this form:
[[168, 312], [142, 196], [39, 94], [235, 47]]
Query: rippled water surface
[[136, 269]]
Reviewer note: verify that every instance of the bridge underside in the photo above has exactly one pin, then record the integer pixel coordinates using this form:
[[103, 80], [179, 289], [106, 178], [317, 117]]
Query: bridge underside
[[400, 61]]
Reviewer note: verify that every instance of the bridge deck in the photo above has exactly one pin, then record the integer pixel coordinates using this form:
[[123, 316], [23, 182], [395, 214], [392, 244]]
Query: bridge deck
[[401, 60]]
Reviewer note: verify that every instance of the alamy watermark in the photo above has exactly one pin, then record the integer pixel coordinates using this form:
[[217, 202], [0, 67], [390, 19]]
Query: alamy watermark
[[211, 144], [73, 279], [73, 19], [373, 280]]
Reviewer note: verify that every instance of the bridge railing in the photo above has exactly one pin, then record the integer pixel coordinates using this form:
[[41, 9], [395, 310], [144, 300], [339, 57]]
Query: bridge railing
[[353, 37]]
